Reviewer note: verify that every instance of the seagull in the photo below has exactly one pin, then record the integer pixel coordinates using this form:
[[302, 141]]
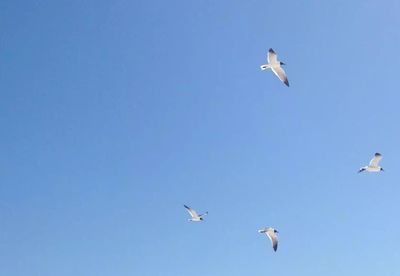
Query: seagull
[[194, 215], [271, 233], [275, 66], [373, 164]]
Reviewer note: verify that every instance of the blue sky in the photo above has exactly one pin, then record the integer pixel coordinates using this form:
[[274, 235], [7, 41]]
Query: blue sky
[[116, 113]]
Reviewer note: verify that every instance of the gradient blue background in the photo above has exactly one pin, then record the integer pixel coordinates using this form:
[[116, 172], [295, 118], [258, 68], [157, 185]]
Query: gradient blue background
[[116, 113]]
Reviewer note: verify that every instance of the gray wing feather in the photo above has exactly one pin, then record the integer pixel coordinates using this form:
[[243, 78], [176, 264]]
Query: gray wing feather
[[274, 239], [272, 57], [192, 212], [375, 161], [280, 73]]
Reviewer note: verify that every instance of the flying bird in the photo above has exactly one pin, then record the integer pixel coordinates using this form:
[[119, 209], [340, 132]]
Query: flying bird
[[373, 164], [194, 215], [275, 65], [271, 233]]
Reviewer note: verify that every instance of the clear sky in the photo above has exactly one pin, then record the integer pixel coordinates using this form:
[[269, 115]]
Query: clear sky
[[116, 113]]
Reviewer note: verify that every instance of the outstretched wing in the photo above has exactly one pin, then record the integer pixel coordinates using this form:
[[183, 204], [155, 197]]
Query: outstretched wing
[[204, 214], [280, 73], [272, 57], [375, 161], [192, 212], [274, 238]]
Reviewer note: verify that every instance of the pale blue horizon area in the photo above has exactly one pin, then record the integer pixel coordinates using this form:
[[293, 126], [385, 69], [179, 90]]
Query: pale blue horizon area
[[116, 113]]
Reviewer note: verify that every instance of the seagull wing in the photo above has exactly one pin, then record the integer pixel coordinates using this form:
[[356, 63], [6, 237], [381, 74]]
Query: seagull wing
[[280, 73], [273, 237], [375, 161], [204, 214], [192, 212], [272, 57]]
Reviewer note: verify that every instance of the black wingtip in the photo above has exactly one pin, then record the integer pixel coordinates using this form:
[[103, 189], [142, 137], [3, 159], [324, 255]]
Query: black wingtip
[[286, 82], [378, 154], [186, 206], [275, 248], [271, 50]]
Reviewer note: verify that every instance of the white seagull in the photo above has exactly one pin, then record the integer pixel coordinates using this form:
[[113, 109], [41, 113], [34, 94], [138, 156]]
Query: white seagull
[[194, 215], [271, 233], [373, 164], [275, 65]]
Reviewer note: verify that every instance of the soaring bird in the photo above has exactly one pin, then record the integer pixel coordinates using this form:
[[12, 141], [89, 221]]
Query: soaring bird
[[194, 215], [275, 65], [271, 233], [373, 164]]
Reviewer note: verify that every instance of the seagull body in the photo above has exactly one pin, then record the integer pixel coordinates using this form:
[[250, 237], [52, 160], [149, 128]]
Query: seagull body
[[271, 233], [194, 215], [373, 164], [275, 65]]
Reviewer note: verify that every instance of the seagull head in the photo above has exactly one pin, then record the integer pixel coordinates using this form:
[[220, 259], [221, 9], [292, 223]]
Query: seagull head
[[382, 170]]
